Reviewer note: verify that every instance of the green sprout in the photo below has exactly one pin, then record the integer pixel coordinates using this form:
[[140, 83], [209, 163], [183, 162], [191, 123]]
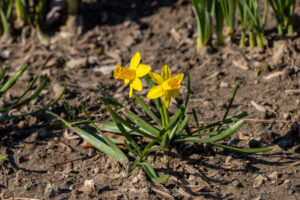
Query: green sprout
[[229, 8], [204, 11], [284, 11], [21, 100], [256, 21]]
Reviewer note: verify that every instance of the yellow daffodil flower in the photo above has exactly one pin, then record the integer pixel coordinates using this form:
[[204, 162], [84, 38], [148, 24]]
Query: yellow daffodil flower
[[133, 74], [167, 86]]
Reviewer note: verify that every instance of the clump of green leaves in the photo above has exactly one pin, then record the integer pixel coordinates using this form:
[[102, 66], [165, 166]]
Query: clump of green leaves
[[163, 132], [228, 10], [204, 11], [24, 98], [284, 11], [14, 14]]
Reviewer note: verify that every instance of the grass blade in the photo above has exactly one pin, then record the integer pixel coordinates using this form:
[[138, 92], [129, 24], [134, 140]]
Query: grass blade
[[243, 150], [224, 134]]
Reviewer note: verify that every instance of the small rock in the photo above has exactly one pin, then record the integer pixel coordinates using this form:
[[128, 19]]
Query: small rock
[[105, 70], [273, 175], [76, 62], [28, 185], [135, 180], [88, 186], [286, 181], [192, 178], [48, 191], [259, 180], [223, 84], [290, 191]]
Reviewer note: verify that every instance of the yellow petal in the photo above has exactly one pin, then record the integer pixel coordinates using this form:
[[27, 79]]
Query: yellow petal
[[155, 92], [156, 78], [142, 70], [167, 99], [130, 90], [135, 61], [171, 84], [126, 81], [174, 93], [165, 72], [124, 73], [179, 77], [137, 84]]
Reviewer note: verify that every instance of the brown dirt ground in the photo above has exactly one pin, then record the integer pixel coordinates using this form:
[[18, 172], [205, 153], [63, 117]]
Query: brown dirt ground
[[45, 163]]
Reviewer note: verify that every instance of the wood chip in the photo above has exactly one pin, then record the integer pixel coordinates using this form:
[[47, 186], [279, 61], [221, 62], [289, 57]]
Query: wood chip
[[258, 107], [163, 194], [198, 188], [85, 144], [241, 65], [212, 174], [69, 136], [273, 75], [295, 163], [175, 35], [296, 91]]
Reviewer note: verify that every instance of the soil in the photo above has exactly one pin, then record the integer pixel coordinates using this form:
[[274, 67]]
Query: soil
[[47, 162]]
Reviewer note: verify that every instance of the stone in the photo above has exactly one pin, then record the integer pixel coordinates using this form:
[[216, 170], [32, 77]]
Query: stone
[[259, 180]]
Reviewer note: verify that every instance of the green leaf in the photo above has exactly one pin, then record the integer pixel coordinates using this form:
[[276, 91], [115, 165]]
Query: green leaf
[[224, 134], [152, 174], [2, 158], [107, 139], [243, 150], [146, 108], [12, 80], [2, 74], [130, 126], [95, 140]]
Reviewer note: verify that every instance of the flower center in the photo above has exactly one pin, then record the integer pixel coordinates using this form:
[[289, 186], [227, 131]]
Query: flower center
[[171, 84], [124, 73]]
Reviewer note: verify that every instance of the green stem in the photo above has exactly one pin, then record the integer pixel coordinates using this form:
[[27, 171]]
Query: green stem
[[200, 44], [229, 31], [251, 39], [280, 29], [290, 31], [243, 39], [260, 40]]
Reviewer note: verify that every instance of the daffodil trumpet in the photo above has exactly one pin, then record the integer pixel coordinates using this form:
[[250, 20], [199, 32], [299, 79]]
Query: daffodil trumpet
[[133, 74]]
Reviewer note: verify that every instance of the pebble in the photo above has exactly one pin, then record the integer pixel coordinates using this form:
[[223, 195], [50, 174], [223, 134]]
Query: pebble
[[273, 175], [224, 84], [28, 185], [74, 63], [88, 186], [259, 180], [135, 180], [48, 191], [290, 191]]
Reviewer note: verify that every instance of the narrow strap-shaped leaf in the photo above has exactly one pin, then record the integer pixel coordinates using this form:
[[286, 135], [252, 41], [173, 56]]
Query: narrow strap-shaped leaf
[[125, 133], [121, 120], [146, 108], [243, 150], [95, 140], [2, 74], [152, 174], [33, 96], [224, 134], [187, 96], [175, 118], [110, 97], [140, 122], [4, 118], [227, 121], [183, 124], [12, 80], [107, 139]]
